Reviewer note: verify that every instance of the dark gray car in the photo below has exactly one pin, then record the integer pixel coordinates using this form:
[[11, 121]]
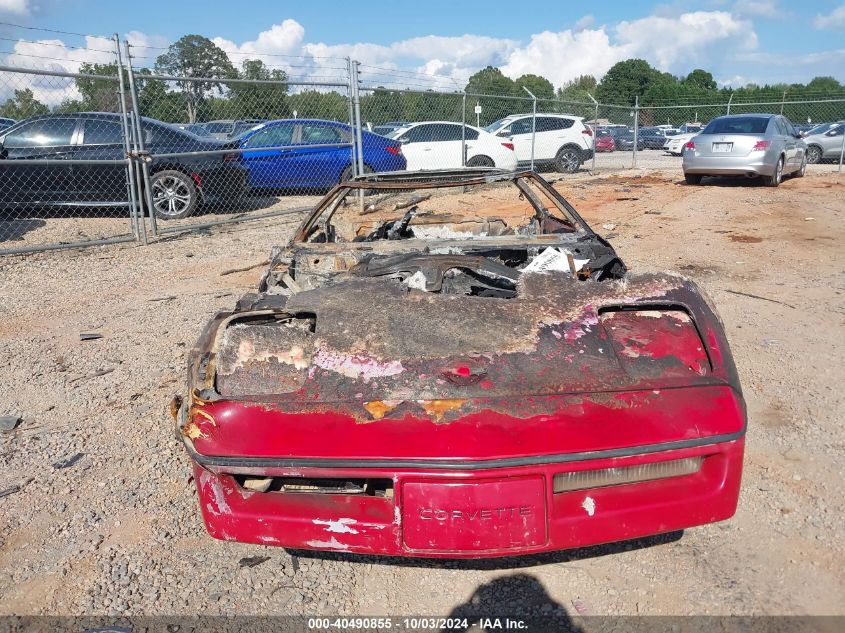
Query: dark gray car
[[752, 145]]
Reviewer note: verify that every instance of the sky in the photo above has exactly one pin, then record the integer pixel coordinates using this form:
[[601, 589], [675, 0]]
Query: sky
[[440, 43]]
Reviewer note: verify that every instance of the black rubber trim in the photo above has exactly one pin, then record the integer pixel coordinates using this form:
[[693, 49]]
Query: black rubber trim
[[463, 465]]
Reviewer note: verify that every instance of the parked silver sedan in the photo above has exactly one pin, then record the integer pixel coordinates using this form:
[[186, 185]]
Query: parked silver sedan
[[824, 141], [752, 145]]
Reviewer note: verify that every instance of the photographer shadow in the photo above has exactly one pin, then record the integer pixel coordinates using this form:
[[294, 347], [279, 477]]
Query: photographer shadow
[[516, 602]]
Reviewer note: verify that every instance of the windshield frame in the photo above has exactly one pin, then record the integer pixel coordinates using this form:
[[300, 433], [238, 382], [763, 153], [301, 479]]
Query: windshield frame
[[524, 181], [495, 126]]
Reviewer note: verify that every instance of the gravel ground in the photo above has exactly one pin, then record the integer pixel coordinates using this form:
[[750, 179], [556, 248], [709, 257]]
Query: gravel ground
[[106, 522]]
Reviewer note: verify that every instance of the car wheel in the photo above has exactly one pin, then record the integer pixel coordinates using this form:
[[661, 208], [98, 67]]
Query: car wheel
[[693, 179], [803, 169], [775, 178], [568, 160], [481, 161], [814, 154], [174, 194]]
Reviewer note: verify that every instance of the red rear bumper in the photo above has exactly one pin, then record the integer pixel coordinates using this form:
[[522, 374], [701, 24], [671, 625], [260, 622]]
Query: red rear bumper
[[434, 513]]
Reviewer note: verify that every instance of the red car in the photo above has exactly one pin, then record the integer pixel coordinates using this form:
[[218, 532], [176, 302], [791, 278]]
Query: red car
[[428, 370], [604, 141]]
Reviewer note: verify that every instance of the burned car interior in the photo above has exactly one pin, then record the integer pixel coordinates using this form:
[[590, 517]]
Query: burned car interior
[[420, 233]]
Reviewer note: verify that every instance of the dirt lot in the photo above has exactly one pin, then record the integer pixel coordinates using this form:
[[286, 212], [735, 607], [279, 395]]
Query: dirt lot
[[105, 520]]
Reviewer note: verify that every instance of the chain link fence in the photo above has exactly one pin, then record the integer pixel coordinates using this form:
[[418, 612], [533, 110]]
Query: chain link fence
[[65, 177], [120, 152]]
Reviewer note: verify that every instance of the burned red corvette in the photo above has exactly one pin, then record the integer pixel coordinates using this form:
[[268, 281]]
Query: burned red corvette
[[453, 364]]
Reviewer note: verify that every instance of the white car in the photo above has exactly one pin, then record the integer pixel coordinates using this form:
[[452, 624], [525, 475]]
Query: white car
[[561, 140], [437, 145], [675, 144]]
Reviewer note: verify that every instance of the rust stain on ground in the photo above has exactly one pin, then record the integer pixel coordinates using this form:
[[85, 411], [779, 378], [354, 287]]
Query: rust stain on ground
[[745, 239]]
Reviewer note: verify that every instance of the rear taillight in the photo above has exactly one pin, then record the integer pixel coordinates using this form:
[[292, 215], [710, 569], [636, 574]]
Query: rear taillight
[[648, 338], [690, 145], [585, 479], [587, 131], [508, 145], [761, 145], [231, 158], [396, 150]]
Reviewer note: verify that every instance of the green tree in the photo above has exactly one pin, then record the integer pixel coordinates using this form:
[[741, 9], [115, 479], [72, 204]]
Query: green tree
[[491, 81], [195, 56], [541, 87], [574, 96], [383, 105], [700, 79], [260, 101], [824, 84], [70, 106], [23, 105], [319, 105], [628, 79], [157, 102], [99, 95]]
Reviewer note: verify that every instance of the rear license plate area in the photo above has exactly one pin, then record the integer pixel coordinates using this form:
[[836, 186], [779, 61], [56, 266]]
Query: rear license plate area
[[722, 148], [487, 514]]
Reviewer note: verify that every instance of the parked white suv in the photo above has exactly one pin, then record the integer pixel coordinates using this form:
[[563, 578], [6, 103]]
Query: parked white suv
[[437, 145], [562, 140]]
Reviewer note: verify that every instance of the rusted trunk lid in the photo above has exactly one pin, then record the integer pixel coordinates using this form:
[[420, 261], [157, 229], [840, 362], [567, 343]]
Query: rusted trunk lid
[[370, 369]]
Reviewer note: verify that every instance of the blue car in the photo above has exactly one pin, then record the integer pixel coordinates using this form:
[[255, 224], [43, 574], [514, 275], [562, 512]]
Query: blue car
[[312, 154]]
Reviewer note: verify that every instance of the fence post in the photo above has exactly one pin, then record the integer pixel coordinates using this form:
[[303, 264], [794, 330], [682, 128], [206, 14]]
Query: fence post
[[464, 130], [782, 99], [636, 129], [138, 228], [533, 123], [842, 149], [729, 104], [139, 142], [350, 93], [357, 103], [595, 129]]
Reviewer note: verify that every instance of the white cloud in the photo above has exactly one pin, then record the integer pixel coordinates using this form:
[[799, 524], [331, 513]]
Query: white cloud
[[833, 21], [280, 39], [672, 44], [54, 55], [142, 40], [584, 22], [17, 7], [736, 81], [565, 55]]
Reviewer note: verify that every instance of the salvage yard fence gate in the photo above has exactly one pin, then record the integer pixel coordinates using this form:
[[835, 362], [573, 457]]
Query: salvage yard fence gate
[[95, 165]]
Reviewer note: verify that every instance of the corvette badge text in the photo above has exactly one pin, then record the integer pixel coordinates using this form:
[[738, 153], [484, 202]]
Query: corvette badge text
[[477, 514]]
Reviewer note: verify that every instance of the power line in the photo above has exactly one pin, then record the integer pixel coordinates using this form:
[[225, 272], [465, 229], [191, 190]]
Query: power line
[[254, 53], [35, 28], [63, 45], [55, 59]]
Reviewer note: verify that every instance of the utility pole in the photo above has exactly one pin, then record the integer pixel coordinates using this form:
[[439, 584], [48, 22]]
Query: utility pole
[[595, 127], [533, 123]]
